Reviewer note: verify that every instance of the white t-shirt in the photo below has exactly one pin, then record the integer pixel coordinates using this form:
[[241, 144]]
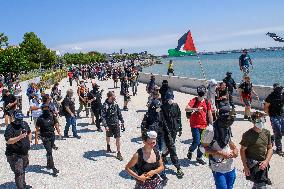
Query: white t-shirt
[[219, 164], [36, 113], [18, 90]]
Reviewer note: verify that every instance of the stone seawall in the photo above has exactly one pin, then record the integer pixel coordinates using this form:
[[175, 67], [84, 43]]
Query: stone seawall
[[188, 85]]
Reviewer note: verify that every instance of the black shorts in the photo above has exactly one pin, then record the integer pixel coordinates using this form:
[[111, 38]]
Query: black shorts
[[114, 131], [9, 112]]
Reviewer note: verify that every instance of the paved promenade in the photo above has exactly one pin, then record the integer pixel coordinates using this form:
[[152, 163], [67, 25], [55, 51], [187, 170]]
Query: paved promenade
[[84, 164]]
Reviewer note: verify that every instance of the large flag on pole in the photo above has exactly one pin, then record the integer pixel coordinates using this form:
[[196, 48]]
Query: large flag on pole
[[188, 46]]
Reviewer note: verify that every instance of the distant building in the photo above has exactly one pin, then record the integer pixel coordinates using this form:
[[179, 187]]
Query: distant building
[[121, 51]]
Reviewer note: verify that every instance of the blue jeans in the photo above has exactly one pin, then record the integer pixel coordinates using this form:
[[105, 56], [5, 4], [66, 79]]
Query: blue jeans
[[225, 180], [278, 127], [196, 137], [70, 121]]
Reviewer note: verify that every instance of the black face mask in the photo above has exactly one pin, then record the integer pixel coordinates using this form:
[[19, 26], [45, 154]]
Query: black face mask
[[18, 122], [201, 94], [45, 112]]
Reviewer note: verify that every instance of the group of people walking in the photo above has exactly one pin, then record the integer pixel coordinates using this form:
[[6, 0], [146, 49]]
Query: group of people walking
[[210, 114]]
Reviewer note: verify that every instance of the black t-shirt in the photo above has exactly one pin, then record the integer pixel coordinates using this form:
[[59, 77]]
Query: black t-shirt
[[276, 101], [246, 87], [46, 125], [69, 102], [9, 99], [21, 147]]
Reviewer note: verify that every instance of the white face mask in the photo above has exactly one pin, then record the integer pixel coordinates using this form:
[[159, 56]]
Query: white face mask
[[158, 109], [259, 125]]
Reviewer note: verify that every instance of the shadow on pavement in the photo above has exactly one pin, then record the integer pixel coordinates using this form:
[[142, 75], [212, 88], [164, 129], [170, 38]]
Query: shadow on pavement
[[83, 124], [91, 155], [141, 111], [188, 141], [137, 140], [8, 185], [125, 175], [37, 169], [37, 147], [87, 130], [186, 162]]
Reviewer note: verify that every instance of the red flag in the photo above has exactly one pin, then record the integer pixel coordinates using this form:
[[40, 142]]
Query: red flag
[[189, 45]]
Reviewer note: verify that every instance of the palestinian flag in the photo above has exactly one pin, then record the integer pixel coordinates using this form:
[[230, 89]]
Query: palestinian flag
[[188, 46]]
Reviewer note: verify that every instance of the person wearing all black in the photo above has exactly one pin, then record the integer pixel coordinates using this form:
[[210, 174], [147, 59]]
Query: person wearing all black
[[69, 112], [170, 123], [274, 107], [222, 95], [111, 116], [18, 137], [46, 125], [122, 75], [95, 97], [164, 90], [115, 76], [10, 104], [231, 85], [125, 93]]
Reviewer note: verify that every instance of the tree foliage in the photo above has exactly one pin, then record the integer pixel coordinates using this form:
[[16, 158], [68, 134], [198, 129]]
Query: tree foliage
[[83, 58], [13, 59], [36, 52]]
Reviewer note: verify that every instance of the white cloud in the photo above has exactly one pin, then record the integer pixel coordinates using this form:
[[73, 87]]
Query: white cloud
[[159, 44], [112, 44]]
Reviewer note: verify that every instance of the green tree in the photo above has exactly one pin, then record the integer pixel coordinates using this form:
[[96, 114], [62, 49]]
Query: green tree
[[36, 52], [12, 59], [3, 40]]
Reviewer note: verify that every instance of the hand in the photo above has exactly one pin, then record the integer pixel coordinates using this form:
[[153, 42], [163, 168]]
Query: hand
[[246, 171], [122, 127], [257, 97], [142, 178], [241, 68], [227, 155], [179, 133], [241, 99], [263, 165], [107, 129], [235, 153], [150, 174], [72, 115], [23, 135]]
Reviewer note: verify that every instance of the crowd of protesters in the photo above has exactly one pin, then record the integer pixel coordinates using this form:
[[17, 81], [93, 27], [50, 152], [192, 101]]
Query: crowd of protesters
[[210, 114]]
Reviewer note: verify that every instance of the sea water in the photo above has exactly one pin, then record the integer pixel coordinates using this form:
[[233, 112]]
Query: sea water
[[268, 67]]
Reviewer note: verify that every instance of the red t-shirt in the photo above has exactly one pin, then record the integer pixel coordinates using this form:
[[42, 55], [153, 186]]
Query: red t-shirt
[[198, 119], [70, 74]]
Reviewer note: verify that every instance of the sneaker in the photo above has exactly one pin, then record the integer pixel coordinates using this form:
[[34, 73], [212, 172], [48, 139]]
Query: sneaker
[[54, 147], [55, 172], [66, 136], [119, 157], [27, 186], [189, 155], [200, 161], [77, 136], [180, 174], [125, 108], [245, 117]]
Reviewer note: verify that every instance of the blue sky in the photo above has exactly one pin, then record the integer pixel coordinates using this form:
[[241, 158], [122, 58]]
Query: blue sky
[[137, 25]]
